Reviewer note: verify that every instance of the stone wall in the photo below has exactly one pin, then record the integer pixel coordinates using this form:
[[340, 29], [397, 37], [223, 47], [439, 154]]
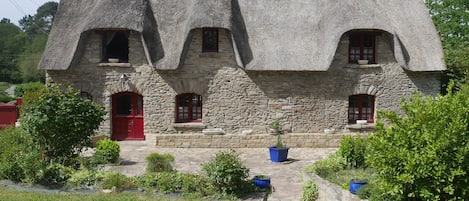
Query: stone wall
[[239, 101]]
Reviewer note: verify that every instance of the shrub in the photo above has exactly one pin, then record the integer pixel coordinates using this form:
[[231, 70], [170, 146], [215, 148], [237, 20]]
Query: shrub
[[116, 180], [60, 122], [159, 162], [424, 155], [333, 163], [84, 178], [310, 191], [226, 173], [174, 182], [107, 151], [353, 150], [20, 158], [21, 89], [56, 175]]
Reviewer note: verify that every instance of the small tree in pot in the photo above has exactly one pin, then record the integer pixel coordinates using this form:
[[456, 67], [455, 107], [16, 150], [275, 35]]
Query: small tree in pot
[[278, 153]]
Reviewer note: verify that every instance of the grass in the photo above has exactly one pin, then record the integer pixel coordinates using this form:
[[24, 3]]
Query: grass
[[13, 195], [334, 170], [342, 177]]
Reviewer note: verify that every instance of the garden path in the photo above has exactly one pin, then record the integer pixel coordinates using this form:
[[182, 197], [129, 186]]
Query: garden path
[[287, 177]]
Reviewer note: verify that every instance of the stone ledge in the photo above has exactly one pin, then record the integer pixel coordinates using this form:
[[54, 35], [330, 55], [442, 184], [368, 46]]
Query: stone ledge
[[358, 66], [361, 128], [189, 125], [115, 65], [198, 140]]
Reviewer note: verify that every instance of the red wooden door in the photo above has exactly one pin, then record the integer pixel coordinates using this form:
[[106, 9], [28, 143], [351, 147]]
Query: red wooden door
[[127, 116]]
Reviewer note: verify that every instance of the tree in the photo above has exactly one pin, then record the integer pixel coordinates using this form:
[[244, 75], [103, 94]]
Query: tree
[[451, 18], [29, 59], [60, 121], [41, 22], [11, 41]]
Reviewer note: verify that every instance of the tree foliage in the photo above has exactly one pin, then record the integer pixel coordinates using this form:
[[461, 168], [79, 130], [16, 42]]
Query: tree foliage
[[41, 22], [425, 155], [451, 18], [60, 121], [21, 48], [11, 40]]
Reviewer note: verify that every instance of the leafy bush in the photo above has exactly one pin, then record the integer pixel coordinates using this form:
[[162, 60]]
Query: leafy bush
[[4, 98], [56, 175], [60, 122], [107, 151], [174, 182], [159, 162], [21, 89], [20, 158], [424, 155], [333, 163], [226, 173], [116, 180], [365, 191], [310, 191], [85, 178], [353, 150]]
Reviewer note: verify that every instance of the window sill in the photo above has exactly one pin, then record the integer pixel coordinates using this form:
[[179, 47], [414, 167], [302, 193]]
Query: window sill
[[191, 125], [369, 127], [115, 65], [353, 66], [209, 55]]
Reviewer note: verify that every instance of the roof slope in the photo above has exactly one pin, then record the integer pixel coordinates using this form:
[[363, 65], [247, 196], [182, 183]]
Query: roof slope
[[295, 35]]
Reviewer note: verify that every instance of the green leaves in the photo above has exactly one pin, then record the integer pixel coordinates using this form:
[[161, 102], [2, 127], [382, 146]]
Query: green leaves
[[424, 154], [60, 121]]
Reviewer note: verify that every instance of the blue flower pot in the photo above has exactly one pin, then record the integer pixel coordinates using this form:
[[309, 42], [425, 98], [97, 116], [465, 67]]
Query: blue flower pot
[[262, 182], [278, 154], [356, 184]]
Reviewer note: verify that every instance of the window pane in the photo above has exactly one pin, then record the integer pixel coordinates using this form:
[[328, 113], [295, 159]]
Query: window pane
[[139, 105], [210, 40], [123, 105]]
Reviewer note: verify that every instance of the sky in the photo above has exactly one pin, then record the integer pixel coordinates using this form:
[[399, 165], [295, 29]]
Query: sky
[[17, 9]]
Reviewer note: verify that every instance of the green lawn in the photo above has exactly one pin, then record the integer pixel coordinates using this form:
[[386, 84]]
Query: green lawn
[[12, 195]]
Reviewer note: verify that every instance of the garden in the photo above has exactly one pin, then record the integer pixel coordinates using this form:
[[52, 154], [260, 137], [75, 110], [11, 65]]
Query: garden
[[422, 155], [44, 155]]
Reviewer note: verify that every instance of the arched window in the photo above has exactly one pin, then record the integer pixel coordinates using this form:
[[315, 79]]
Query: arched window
[[188, 108], [361, 107]]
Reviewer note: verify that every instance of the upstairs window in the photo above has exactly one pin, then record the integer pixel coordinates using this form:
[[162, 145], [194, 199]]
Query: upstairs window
[[361, 107], [362, 46], [188, 108], [210, 40], [115, 47]]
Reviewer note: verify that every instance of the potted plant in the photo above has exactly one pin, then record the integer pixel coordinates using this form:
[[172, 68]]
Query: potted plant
[[262, 181], [278, 153], [356, 183]]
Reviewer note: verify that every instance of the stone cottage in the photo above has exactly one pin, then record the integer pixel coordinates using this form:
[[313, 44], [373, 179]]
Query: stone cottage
[[173, 72]]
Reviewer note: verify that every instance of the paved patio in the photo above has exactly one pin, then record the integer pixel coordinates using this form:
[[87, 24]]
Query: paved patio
[[287, 177]]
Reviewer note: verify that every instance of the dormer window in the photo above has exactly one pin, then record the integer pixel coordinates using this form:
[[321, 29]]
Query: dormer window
[[210, 40], [362, 46], [115, 47]]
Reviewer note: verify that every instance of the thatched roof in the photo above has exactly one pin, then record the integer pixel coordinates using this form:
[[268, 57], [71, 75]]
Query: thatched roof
[[294, 35]]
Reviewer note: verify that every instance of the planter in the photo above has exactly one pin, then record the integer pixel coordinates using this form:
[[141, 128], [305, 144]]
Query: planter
[[262, 181], [356, 184], [278, 154]]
